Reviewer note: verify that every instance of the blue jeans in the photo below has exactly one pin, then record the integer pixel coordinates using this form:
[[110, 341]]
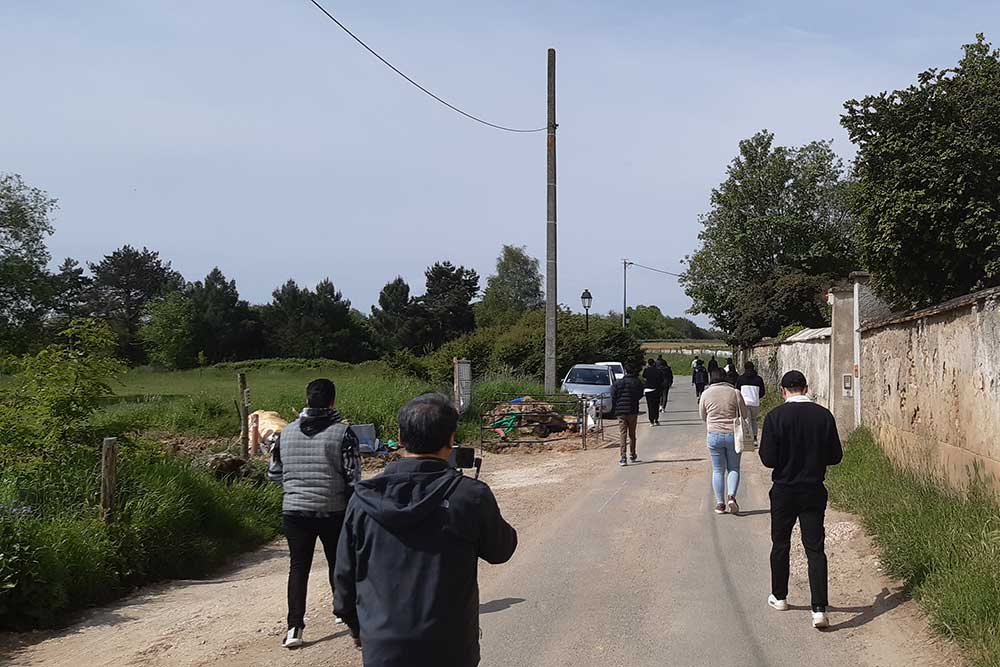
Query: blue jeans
[[722, 449]]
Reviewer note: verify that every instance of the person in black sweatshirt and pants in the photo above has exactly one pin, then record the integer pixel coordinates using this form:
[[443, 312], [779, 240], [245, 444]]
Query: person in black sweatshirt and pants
[[798, 442]]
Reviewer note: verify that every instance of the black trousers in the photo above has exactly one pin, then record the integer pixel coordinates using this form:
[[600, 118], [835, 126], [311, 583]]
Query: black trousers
[[808, 506], [664, 393], [301, 532], [653, 405]]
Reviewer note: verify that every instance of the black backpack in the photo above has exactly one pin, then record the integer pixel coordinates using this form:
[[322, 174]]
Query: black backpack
[[700, 375]]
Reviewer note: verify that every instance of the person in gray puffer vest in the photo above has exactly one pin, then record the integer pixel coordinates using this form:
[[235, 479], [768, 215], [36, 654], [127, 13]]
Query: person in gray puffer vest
[[316, 462]]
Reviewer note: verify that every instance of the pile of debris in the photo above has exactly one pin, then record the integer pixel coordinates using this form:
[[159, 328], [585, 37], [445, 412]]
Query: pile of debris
[[525, 414]]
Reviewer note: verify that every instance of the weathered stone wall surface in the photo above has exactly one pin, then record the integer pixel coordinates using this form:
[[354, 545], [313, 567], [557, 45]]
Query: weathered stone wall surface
[[931, 387], [812, 357]]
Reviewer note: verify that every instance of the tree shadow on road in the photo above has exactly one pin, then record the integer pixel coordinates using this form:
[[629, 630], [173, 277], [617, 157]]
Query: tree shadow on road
[[500, 604], [884, 602]]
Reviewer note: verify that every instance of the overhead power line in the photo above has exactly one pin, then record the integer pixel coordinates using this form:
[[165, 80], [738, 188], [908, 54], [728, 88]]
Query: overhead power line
[[417, 85], [649, 268]]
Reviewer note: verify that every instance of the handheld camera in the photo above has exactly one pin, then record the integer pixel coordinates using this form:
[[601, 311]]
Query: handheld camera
[[465, 458]]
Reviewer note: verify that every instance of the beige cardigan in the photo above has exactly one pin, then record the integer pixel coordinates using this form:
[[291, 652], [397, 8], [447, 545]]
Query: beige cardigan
[[720, 404]]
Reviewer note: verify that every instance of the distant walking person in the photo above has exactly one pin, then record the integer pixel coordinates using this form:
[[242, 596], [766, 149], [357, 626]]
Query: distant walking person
[[730, 370], [668, 382], [625, 395], [316, 463], [699, 378], [654, 385], [720, 405], [752, 387], [713, 364], [799, 441]]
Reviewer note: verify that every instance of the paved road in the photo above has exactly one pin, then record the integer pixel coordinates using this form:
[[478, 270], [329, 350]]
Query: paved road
[[637, 570]]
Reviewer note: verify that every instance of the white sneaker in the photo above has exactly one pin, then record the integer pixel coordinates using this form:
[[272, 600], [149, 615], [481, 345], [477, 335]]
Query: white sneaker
[[820, 620], [337, 620], [779, 605], [293, 639]]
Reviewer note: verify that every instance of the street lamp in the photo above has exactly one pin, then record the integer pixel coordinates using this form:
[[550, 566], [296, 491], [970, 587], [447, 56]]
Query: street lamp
[[587, 299]]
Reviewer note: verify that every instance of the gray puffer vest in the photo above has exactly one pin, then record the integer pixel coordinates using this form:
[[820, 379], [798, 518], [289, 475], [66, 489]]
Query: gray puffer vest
[[312, 473]]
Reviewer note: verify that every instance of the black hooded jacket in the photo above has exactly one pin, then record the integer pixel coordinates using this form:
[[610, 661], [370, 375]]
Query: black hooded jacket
[[406, 577]]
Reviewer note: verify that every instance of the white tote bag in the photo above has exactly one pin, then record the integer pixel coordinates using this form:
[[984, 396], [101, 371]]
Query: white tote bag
[[743, 436]]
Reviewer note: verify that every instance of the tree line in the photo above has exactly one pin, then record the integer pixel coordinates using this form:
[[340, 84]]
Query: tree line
[[919, 208], [159, 317]]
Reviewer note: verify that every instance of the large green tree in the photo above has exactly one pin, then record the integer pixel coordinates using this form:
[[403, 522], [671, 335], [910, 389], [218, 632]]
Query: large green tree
[[167, 332], [515, 288], [125, 283], [319, 323], [779, 231], [71, 293], [928, 166], [24, 286], [224, 327], [445, 310], [392, 320]]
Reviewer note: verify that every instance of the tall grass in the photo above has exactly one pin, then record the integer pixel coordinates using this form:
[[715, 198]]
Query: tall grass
[[170, 520], [945, 547]]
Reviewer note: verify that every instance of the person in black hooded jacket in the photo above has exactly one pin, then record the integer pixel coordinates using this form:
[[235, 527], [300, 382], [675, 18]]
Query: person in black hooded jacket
[[408, 557]]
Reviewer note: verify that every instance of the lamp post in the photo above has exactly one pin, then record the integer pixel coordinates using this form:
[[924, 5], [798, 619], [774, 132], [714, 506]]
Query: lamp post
[[587, 300]]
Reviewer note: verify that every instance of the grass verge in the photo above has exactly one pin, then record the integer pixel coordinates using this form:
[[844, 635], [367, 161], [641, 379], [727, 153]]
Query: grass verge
[[170, 520], [944, 547]]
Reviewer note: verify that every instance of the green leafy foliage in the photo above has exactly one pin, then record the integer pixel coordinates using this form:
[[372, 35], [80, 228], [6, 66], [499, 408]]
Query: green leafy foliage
[[59, 388], [928, 167], [166, 335], [315, 323], [778, 233], [125, 283], [514, 289], [224, 327], [24, 289], [649, 323]]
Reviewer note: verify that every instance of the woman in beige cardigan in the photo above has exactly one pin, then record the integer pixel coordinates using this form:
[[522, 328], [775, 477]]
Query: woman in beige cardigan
[[720, 405]]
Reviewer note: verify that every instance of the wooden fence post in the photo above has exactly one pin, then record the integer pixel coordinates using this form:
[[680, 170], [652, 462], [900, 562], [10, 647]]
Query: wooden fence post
[[244, 426], [109, 463]]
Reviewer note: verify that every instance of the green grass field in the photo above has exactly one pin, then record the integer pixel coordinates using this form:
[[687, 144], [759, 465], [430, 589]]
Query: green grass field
[[202, 402]]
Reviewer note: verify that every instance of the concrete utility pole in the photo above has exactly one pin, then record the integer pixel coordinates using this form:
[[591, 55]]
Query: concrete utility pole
[[624, 292], [551, 294]]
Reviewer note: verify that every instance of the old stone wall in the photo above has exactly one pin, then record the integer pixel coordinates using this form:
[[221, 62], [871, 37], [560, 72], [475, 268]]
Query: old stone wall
[[931, 387], [812, 357]]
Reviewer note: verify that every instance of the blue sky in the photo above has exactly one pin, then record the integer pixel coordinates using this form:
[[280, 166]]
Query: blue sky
[[257, 137]]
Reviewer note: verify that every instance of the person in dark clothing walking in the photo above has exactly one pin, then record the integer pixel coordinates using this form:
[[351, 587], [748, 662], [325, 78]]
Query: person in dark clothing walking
[[625, 395], [730, 370], [316, 463], [668, 382], [654, 385], [799, 440], [408, 559], [713, 364], [699, 378]]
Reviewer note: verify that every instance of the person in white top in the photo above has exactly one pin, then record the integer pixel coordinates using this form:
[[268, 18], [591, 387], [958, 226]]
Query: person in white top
[[753, 389]]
